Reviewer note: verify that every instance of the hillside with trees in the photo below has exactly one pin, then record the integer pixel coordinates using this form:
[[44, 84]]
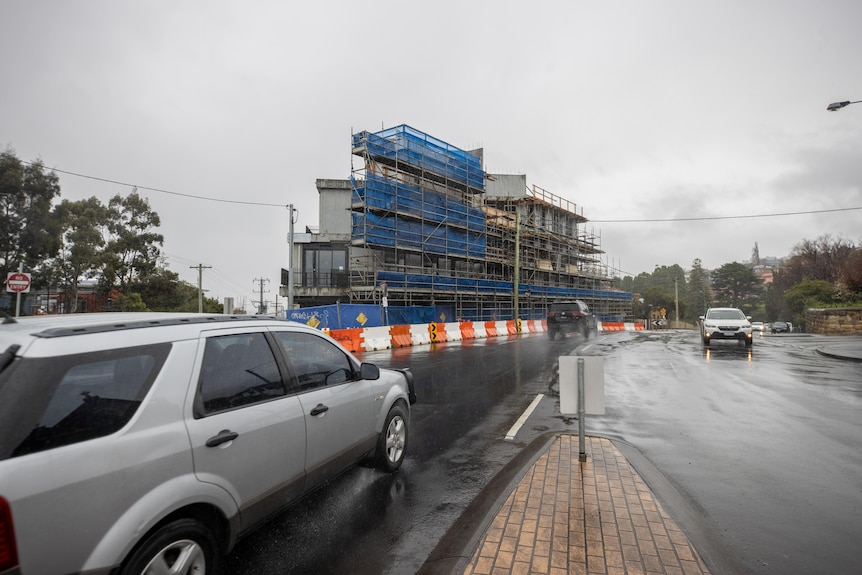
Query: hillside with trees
[[820, 273], [114, 249]]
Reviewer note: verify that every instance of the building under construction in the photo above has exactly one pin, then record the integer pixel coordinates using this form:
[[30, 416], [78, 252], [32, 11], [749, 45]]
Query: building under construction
[[419, 223]]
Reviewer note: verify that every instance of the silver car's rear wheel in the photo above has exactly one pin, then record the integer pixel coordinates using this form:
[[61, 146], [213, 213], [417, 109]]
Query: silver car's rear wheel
[[183, 556], [392, 444], [184, 547]]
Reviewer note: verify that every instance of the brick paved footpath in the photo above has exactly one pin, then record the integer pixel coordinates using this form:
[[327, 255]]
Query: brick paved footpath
[[597, 517]]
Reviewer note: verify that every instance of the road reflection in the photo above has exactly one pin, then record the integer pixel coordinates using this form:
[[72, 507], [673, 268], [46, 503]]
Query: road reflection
[[727, 352]]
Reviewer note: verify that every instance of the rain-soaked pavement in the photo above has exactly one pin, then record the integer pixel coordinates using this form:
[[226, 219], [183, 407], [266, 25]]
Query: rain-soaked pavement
[[763, 443]]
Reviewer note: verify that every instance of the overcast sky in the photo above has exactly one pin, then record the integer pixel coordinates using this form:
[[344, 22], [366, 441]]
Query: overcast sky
[[633, 110]]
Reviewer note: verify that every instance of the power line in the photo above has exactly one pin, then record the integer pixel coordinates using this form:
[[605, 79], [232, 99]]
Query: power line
[[195, 197], [706, 218], [632, 221]]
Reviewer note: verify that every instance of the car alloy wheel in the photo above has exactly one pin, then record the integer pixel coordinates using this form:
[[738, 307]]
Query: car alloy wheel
[[184, 547], [393, 440]]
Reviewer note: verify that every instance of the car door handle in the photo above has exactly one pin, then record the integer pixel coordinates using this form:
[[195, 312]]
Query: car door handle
[[319, 408], [223, 436]]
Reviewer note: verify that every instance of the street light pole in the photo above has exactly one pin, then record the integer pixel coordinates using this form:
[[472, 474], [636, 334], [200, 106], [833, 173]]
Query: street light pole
[[835, 106]]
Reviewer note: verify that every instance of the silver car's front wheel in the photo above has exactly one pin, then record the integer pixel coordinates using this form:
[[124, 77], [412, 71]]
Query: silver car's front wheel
[[392, 444]]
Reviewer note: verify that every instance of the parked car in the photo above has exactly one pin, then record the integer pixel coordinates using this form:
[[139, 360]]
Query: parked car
[[568, 317], [129, 441], [780, 327], [758, 326], [725, 323]]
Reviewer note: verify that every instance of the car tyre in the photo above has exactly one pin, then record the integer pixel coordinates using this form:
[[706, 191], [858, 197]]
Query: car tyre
[[184, 547], [392, 443], [706, 341], [552, 334]]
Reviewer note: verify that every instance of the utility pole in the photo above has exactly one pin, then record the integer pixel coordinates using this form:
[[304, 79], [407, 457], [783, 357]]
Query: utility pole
[[676, 299], [200, 268], [291, 212], [261, 309], [517, 283]]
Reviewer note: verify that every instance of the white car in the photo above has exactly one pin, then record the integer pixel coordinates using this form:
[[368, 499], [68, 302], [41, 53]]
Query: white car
[[149, 443], [758, 326], [725, 323]]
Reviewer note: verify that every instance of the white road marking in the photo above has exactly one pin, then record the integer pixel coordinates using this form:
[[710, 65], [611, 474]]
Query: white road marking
[[524, 416]]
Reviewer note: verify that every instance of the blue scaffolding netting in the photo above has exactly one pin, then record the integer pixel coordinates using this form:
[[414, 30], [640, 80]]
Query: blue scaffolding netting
[[410, 146], [392, 231], [405, 281], [377, 192]]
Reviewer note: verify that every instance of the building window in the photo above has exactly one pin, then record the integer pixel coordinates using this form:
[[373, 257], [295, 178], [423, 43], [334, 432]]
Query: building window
[[324, 267]]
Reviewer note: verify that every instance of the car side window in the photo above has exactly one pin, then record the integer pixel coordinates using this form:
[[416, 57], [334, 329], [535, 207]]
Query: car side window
[[59, 401], [238, 370], [316, 361]]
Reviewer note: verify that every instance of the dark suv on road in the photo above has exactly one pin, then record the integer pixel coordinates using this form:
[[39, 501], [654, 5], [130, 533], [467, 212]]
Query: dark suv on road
[[568, 317]]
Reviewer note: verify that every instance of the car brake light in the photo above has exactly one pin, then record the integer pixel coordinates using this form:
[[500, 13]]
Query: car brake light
[[8, 552]]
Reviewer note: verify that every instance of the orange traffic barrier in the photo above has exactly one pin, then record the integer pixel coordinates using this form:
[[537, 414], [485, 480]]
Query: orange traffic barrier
[[491, 328], [613, 326], [512, 327], [531, 326], [467, 331], [400, 335], [350, 338]]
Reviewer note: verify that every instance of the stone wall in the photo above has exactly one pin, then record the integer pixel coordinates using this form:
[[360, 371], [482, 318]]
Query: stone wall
[[834, 321]]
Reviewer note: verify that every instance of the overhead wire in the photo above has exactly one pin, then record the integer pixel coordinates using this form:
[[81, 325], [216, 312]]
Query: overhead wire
[[161, 191], [595, 221]]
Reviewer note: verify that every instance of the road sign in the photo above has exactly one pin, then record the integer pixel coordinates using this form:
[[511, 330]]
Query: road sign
[[18, 282]]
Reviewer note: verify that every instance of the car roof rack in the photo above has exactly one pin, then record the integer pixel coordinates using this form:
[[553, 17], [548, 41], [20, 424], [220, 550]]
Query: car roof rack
[[144, 323]]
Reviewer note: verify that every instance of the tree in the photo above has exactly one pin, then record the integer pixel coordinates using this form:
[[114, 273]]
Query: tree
[[81, 253], [820, 259], [28, 230], [736, 285], [131, 249], [808, 294], [851, 274], [164, 291], [132, 302], [697, 296]]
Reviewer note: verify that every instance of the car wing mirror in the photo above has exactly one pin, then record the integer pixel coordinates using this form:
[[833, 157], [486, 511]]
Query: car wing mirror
[[369, 371]]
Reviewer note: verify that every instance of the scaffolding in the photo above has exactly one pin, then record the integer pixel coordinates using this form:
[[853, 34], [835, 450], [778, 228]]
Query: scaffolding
[[425, 232]]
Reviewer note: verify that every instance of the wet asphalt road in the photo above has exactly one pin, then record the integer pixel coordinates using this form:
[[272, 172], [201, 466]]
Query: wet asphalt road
[[764, 444], [368, 522]]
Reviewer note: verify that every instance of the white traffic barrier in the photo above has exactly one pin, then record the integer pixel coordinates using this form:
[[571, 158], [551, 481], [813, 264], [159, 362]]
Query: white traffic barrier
[[453, 331], [479, 329], [419, 334], [376, 338]]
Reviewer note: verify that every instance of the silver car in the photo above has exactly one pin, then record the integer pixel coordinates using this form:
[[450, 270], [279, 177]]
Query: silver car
[[149, 443], [725, 323]]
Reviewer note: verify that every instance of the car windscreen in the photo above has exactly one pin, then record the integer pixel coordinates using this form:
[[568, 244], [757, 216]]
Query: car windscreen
[[55, 401], [725, 314]]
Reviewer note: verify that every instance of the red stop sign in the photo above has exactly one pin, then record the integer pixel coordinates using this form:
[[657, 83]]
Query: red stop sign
[[17, 282]]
